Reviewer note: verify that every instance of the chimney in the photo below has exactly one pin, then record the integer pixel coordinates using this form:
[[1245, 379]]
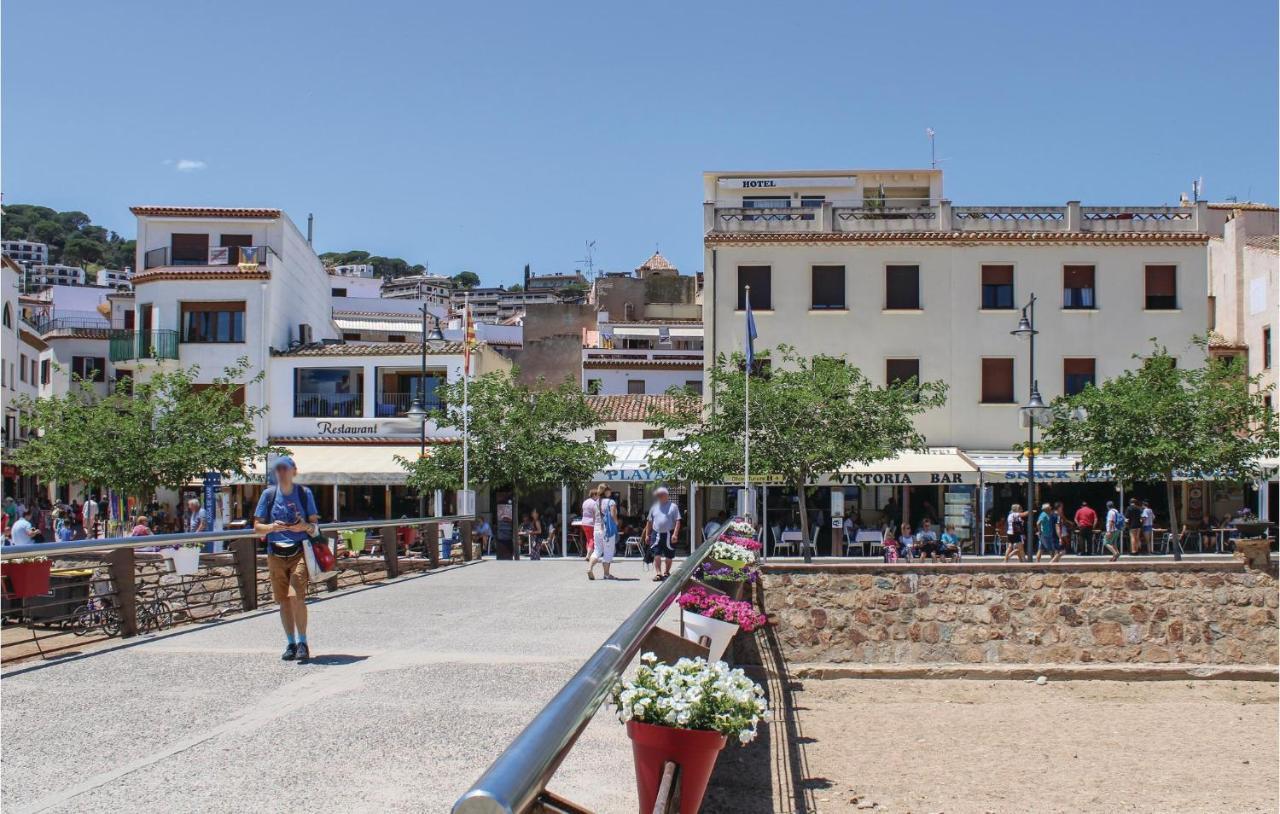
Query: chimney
[[311, 218], [526, 276]]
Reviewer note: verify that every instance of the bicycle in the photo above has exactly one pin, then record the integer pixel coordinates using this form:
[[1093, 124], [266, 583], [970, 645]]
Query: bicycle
[[94, 614], [154, 613]]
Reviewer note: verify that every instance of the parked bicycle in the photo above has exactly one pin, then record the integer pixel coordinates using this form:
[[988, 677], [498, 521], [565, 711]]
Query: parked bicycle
[[95, 614]]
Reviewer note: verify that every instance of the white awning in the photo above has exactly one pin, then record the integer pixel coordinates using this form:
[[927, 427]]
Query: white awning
[[371, 324], [630, 462], [687, 331], [1012, 467], [634, 330], [346, 464], [934, 466]]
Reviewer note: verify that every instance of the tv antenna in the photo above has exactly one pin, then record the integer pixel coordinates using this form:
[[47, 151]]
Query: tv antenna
[[933, 153], [589, 260]]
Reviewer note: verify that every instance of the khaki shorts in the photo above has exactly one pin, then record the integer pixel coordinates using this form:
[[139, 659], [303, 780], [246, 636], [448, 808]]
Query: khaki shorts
[[286, 573]]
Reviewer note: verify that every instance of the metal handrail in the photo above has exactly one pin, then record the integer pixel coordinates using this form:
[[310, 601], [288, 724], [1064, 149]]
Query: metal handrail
[[51, 550], [513, 782]]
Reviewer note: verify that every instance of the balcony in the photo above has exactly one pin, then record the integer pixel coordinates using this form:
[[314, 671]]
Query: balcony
[[263, 256], [129, 346], [633, 355], [398, 404], [328, 405], [914, 215]]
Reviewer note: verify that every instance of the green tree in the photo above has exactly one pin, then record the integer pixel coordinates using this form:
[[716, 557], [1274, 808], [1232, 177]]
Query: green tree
[[1161, 419], [809, 417], [161, 430], [521, 436], [466, 279]]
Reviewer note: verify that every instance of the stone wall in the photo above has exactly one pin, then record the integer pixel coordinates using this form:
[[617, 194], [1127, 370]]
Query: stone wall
[[1199, 613]]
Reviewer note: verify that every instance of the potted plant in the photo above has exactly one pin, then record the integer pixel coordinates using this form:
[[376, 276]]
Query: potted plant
[[685, 712], [734, 556], [733, 581], [28, 576], [740, 528], [183, 560], [716, 616]]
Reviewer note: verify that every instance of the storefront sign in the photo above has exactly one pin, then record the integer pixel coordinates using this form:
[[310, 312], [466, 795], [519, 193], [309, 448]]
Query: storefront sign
[[901, 478], [212, 483], [785, 183], [338, 428]]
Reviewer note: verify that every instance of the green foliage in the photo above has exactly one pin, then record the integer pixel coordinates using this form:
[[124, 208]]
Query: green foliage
[[809, 417], [384, 267], [1159, 419], [72, 238], [520, 435], [466, 279], [516, 288], [159, 430]]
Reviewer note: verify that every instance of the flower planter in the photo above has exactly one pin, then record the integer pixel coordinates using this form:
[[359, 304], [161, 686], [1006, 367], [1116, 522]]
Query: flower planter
[[354, 540], [694, 750], [734, 588], [734, 564], [693, 626], [183, 560], [27, 579]]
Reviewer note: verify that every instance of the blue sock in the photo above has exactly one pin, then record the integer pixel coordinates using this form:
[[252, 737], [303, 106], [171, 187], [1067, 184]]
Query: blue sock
[[291, 639], [302, 639]]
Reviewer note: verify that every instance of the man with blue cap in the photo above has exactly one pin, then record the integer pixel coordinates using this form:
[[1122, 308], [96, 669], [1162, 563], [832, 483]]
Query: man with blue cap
[[287, 515]]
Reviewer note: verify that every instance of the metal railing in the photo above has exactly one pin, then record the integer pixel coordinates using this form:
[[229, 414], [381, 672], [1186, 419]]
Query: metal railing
[[398, 404], [329, 405], [104, 588], [126, 346], [163, 256], [513, 783]]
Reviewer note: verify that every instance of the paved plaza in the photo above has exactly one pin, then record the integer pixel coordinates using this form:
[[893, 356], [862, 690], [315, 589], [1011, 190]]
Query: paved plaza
[[417, 685]]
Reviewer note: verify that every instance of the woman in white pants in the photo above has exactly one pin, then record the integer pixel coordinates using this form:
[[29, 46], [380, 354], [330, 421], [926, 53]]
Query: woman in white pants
[[606, 510]]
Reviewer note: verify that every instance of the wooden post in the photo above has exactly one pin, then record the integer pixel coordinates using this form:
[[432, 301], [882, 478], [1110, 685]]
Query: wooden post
[[122, 574], [245, 555], [464, 539], [391, 550], [431, 538]]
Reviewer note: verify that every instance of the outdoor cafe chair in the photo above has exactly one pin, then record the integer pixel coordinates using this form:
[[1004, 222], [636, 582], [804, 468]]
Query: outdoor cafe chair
[[850, 542], [779, 543], [632, 542]]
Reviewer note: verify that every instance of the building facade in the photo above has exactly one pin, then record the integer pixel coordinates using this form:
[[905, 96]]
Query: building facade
[[42, 274]]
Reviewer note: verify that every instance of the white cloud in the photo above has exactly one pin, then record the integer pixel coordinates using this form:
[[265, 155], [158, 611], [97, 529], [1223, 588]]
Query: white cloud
[[185, 164]]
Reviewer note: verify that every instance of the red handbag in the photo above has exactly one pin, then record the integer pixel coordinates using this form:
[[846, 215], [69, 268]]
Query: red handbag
[[323, 554]]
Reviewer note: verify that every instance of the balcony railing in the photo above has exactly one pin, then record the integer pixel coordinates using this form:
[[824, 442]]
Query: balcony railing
[[328, 405], [163, 257], [127, 346], [917, 216], [640, 355], [398, 404]]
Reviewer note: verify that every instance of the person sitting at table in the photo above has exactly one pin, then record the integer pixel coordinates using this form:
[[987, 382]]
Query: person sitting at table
[[926, 541], [949, 544], [890, 545], [906, 543], [482, 532]]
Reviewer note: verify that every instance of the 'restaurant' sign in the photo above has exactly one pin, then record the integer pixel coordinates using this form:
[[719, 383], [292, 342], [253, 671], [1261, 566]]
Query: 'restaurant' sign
[[786, 183]]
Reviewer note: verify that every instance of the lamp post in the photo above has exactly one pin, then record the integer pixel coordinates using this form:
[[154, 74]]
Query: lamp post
[[1034, 410], [418, 411]]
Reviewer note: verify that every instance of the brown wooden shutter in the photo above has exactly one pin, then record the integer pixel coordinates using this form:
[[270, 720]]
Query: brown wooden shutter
[[188, 248], [1077, 276], [997, 381], [1161, 281], [997, 275]]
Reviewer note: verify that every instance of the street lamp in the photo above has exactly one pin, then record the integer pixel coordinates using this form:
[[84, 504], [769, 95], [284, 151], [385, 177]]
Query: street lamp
[[1034, 410], [418, 410]]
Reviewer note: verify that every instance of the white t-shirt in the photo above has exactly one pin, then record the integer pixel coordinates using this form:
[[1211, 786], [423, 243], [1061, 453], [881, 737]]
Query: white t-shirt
[[1148, 516], [605, 510], [21, 532], [664, 516], [1113, 519], [589, 511], [90, 510]]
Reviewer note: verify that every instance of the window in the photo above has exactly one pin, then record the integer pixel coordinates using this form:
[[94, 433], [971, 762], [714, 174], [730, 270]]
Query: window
[[606, 435], [997, 287], [237, 242], [89, 368], [213, 322], [828, 287], [1077, 288], [593, 386], [46, 371], [34, 378], [759, 278], [1077, 374], [651, 434], [1266, 348], [902, 288], [635, 386], [22, 366], [694, 386], [189, 250], [328, 392], [338, 292], [900, 371], [997, 381], [1162, 288], [396, 338], [8, 315]]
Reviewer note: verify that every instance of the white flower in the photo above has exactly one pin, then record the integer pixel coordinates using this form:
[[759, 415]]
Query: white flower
[[746, 736]]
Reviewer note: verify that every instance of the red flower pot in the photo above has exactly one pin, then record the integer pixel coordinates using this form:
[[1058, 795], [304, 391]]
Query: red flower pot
[[693, 749], [28, 579]]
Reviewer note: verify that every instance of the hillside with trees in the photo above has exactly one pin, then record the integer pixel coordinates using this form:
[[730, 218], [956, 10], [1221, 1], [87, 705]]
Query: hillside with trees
[[385, 267], [73, 239]]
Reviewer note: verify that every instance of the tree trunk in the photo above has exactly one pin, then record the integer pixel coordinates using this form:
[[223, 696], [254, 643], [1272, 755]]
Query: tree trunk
[[515, 523], [804, 523], [1175, 527]]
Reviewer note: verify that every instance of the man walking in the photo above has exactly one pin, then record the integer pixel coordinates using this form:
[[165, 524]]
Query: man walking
[[287, 515], [197, 517], [661, 530], [1047, 534], [1133, 519], [1149, 526], [1111, 537], [1086, 520], [89, 516]]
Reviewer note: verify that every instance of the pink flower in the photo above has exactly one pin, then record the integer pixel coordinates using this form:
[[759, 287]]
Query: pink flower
[[718, 606]]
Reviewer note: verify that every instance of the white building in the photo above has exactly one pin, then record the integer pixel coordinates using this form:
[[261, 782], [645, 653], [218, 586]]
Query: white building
[[877, 266], [430, 287], [114, 278], [353, 270], [41, 274], [354, 286], [25, 253], [20, 370]]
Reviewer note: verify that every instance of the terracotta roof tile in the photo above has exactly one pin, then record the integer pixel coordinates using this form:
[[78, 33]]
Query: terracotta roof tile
[[371, 349], [631, 407], [203, 212], [199, 273], [643, 364], [1267, 243], [955, 238], [1248, 206]]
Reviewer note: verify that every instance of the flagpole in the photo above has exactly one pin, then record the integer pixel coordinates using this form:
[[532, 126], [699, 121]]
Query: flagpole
[[746, 424], [466, 374]]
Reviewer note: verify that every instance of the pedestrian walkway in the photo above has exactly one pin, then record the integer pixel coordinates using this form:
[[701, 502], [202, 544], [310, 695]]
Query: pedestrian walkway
[[417, 685]]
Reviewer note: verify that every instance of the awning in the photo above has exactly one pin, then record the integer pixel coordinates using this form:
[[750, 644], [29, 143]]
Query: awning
[[630, 462], [1012, 467], [686, 331], [345, 464], [634, 330], [934, 466], [368, 324]]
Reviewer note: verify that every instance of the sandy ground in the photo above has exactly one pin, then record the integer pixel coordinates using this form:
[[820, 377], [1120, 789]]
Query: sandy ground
[[973, 747]]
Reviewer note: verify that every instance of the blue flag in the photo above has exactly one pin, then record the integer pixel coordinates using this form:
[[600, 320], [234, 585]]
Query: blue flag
[[751, 336]]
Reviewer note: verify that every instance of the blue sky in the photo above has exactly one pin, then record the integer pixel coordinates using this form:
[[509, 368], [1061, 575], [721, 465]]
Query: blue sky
[[485, 135]]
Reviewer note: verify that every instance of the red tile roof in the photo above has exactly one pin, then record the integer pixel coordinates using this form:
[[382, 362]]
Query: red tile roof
[[203, 273], [957, 238], [203, 212], [1248, 206], [358, 440], [372, 349], [631, 407], [1267, 243], [643, 364]]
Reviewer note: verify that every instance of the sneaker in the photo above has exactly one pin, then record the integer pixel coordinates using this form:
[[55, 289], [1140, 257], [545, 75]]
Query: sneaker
[[290, 653], [304, 652]]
